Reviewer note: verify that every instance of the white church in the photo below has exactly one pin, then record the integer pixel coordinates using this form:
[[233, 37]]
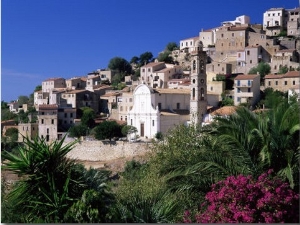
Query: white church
[[158, 110]]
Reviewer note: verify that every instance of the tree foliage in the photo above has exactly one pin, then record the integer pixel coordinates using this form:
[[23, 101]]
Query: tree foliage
[[88, 117], [120, 64], [78, 130], [107, 130], [171, 46], [262, 68], [165, 57]]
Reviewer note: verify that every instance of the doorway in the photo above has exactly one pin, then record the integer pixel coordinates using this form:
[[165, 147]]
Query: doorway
[[142, 130]]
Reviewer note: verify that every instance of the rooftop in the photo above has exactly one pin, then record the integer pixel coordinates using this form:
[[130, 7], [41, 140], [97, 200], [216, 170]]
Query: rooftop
[[224, 111], [246, 77]]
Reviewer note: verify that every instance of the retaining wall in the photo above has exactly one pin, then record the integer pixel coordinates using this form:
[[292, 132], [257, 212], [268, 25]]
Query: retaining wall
[[102, 151]]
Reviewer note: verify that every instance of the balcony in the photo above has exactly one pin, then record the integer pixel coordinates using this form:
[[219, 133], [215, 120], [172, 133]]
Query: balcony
[[244, 94]]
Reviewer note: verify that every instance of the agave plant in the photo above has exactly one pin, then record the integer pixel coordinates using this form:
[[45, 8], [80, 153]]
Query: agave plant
[[45, 189]]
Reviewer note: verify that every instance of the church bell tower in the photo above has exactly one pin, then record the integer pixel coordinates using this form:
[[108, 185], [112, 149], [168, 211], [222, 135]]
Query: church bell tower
[[198, 101]]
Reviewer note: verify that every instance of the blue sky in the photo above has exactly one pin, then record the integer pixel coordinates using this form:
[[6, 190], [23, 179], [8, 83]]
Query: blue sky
[[66, 38]]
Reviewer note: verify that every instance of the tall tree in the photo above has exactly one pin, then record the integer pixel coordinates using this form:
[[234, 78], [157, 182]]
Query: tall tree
[[107, 130], [171, 46], [145, 58], [120, 64]]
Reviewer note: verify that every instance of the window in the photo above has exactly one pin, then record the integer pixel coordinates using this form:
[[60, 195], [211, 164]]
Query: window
[[269, 83], [238, 99], [178, 105], [47, 130], [52, 121], [211, 88], [153, 123], [294, 82], [249, 89], [65, 115], [238, 83], [143, 70], [42, 121], [193, 95], [149, 70], [232, 34], [248, 52], [285, 82], [130, 99], [121, 108], [276, 82], [251, 61], [131, 122], [249, 82], [121, 117], [71, 115], [202, 93], [222, 35], [159, 106], [238, 90]]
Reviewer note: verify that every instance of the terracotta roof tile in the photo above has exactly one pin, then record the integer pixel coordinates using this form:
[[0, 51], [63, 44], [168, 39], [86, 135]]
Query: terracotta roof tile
[[153, 64], [292, 74], [273, 76], [246, 77], [224, 111], [54, 78], [44, 106]]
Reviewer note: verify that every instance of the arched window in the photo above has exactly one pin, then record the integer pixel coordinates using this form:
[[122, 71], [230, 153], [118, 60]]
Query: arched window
[[202, 93], [194, 65], [193, 95]]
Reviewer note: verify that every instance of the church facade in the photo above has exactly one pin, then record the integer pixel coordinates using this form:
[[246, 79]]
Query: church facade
[[159, 110]]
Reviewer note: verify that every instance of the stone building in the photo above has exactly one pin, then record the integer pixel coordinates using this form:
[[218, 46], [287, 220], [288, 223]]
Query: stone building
[[247, 89], [283, 82], [157, 74], [53, 83], [30, 130], [48, 122]]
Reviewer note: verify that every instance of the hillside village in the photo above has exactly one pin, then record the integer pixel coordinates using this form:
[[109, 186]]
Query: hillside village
[[188, 91]]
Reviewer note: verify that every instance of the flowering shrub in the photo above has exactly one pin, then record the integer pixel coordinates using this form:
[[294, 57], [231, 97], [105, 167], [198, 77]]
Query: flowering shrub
[[242, 199]]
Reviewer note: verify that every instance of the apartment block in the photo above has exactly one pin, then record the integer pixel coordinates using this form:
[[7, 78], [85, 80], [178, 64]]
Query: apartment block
[[246, 89]]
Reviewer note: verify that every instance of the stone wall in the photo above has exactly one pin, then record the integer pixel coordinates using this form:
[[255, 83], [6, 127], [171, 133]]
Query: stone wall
[[103, 151]]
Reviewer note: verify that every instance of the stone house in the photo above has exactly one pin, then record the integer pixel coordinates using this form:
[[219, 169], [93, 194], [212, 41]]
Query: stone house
[[283, 82], [189, 44], [13, 106], [76, 83], [81, 98], [109, 103], [66, 117], [274, 21], [293, 23], [53, 83], [285, 57], [246, 89], [157, 74], [30, 130], [48, 122]]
